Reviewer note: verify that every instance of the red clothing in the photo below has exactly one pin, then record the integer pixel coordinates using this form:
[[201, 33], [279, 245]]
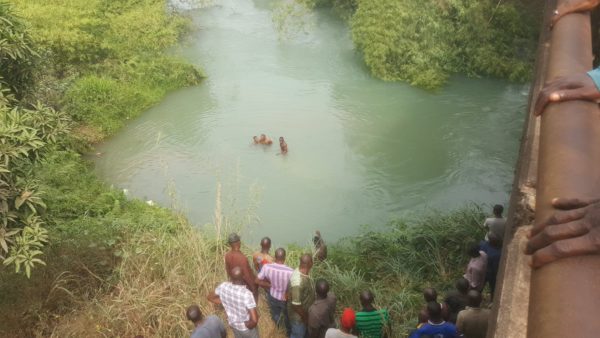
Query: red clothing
[[236, 258]]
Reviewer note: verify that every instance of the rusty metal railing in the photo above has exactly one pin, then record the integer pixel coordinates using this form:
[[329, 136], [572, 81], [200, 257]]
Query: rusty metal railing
[[559, 157], [565, 295]]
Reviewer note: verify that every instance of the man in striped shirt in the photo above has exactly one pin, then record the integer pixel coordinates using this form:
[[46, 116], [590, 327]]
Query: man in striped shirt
[[275, 277], [370, 322]]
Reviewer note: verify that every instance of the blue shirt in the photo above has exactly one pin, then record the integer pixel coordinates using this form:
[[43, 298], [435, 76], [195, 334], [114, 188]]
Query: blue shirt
[[595, 75], [430, 330]]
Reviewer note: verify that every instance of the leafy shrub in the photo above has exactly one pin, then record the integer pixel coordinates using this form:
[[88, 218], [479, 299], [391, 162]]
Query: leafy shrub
[[423, 42], [16, 52], [25, 136]]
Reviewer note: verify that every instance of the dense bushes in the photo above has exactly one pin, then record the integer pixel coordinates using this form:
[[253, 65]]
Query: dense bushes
[[423, 42], [109, 54], [397, 263], [16, 54]]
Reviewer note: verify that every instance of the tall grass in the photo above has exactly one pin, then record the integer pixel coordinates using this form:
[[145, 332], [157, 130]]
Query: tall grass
[[396, 264]]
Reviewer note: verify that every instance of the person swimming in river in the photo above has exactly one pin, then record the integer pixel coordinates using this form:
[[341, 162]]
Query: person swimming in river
[[262, 139], [283, 146]]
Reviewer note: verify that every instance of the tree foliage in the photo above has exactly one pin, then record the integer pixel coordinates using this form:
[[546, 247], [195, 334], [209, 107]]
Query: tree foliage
[[423, 42], [26, 135], [16, 53]]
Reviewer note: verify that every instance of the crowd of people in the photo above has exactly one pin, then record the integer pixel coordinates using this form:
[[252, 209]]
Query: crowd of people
[[303, 307]]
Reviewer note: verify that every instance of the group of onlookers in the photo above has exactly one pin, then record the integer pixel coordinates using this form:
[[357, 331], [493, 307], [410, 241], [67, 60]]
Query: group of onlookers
[[305, 308], [299, 306], [461, 314]]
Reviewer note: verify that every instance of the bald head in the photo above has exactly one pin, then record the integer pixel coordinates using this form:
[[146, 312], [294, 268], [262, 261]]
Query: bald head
[[321, 288], [280, 255], [236, 275], [306, 261], [430, 295], [193, 313], [265, 244], [474, 298], [434, 310], [462, 285], [367, 298]]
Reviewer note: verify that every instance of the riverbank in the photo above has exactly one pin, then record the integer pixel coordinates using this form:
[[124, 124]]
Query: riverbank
[[119, 267]]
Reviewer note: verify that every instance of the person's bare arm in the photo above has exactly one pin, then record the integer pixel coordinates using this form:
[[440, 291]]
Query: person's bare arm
[[573, 6], [249, 277], [213, 298], [255, 263], [574, 87], [263, 283], [573, 230], [253, 321]]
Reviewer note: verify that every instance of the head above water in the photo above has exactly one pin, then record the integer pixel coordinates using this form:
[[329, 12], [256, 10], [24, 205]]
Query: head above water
[[280, 255], [263, 137], [474, 298], [367, 298], [265, 244], [462, 285], [498, 210], [193, 313], [430, 295], [321, 288], [473, 251], [236, 275], [434, 310], [281, 140]]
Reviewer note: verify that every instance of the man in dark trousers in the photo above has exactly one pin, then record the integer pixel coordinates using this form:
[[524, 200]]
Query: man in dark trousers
[[321, 312]]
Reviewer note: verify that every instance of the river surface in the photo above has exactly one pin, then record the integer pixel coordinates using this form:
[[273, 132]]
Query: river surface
[[361, 151]]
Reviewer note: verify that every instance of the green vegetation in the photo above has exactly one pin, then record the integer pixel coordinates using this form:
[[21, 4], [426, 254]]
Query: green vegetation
[[73, 72], [423, 42], [396, 264], [103, 61]]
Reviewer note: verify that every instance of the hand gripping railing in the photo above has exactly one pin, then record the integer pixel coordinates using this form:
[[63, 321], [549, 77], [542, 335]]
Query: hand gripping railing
[[565, 295]]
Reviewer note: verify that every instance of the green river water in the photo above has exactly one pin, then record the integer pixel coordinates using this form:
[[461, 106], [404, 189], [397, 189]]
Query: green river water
[[361, 151]]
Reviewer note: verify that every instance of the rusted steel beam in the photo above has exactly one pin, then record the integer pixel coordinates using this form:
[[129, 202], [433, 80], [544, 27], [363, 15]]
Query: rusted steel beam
[[565, 295]]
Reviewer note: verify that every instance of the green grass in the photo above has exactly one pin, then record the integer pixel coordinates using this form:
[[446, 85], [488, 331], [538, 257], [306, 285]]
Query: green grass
[[118, 267]]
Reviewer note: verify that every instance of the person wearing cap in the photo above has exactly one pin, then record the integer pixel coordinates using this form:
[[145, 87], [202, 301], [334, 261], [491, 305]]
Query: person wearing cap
[[347, 323], [235, 257]]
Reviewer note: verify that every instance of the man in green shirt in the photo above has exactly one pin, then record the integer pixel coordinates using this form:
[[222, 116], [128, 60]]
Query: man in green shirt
[[370, 322], [301, 295]]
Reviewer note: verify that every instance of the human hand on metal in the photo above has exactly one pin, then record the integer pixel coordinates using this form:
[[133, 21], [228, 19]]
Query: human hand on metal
[[573, 87], [574, 6], [573, 230]]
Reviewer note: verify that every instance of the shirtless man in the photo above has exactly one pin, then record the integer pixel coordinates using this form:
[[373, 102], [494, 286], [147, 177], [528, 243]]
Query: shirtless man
[[575, 6], [262, 139], [283, 146]]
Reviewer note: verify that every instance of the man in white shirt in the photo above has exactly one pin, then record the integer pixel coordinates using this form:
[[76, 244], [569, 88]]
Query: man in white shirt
[[239, 305], [495, 225]]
